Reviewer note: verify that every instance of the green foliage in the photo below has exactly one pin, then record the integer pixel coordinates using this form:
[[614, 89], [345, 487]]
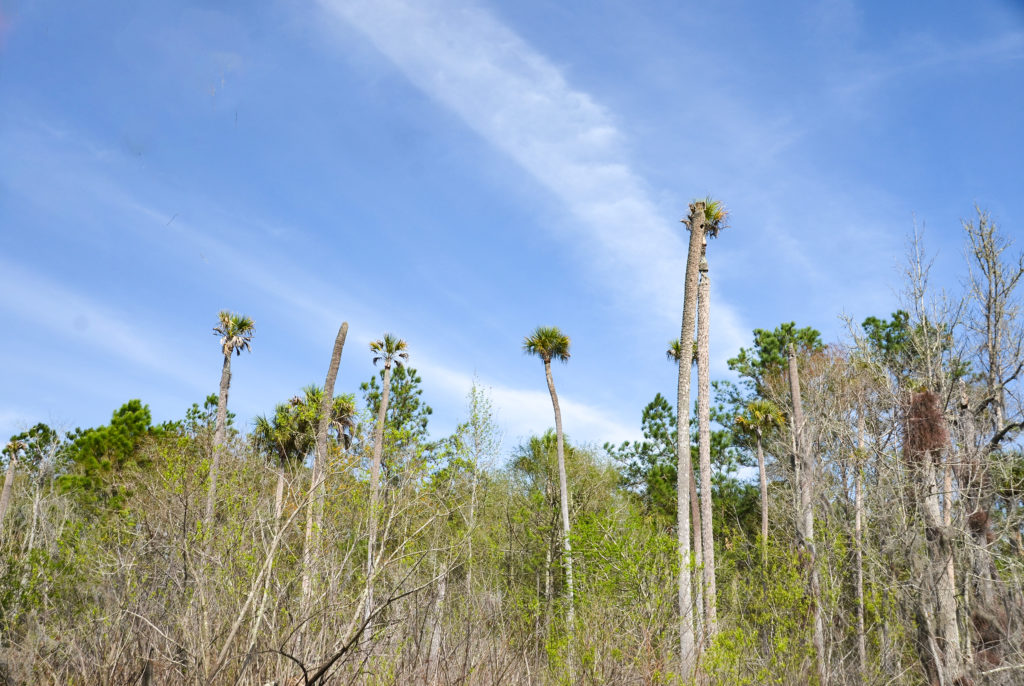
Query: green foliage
[[766, 639], [98, 455], [648, 467], [235, 332], [290, 435], [548, 343], [407, 416], [37, 446], [767, 359]]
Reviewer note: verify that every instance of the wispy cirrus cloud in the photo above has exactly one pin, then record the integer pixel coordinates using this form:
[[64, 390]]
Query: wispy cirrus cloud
[[69, 315], [516, 99]]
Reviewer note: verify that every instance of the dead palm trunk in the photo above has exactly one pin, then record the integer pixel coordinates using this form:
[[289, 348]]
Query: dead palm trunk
[[687, 648], [319, 460], [563, 489], [805, 520], [219, 435], [704, 448]]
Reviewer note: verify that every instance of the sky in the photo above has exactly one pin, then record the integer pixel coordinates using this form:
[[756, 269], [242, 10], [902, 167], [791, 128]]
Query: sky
[[458, 172]]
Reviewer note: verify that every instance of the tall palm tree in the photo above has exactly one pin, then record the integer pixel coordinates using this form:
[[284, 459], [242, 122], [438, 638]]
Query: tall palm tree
[[13, 448], [695, 222], [674, 354], [235, 332], [715, 216], [549, 343], [391, 351], [759, 420]]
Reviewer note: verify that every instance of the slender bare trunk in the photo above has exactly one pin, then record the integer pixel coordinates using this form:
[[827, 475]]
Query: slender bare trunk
[[563, 490], [687, 647], [315, 509], [763, 481], [698, 554], [805, 520], [704, 448], [435, 631], [378, 453], [858, 538], [219, 435], [279, 492]]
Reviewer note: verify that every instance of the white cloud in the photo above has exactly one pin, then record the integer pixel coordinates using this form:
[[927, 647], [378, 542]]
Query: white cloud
[[521, 104], [81, 320], [523, 412]]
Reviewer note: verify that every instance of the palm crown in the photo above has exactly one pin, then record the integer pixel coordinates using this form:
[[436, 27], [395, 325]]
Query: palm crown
[[547, 343], [235, 331], [390, 349], [761, 417], [715, 216]]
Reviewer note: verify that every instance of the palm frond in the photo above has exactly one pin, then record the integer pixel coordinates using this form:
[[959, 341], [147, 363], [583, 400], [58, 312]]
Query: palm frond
[[547, 343]]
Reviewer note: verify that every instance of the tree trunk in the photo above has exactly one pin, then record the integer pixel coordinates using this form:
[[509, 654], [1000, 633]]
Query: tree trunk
[[220, 432], [698, 550], [687, 648], [563, 489], [315, 510], [940, 550], [704, 449], [435, 630], [5, 497], [805, 520], [858, 540], [279, 492], [763, 481], [378, 453]]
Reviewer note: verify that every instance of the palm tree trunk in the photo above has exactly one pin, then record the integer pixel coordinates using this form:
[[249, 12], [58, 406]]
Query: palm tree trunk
[[219, 435], [563, 488], [763, 480], [5, 497], [279, 491], [704, 448], [805, 520], [378, 453], [698, 550], [687, 648], [858, 519], [315, 510]]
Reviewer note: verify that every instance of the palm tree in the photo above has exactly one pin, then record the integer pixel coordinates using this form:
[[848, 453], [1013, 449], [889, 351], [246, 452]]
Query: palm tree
[[695, 222], [14, 447], [548, 343], [273, 437], [391, 351], [235, 331], [760, 419], [715, 216], [674, 354]]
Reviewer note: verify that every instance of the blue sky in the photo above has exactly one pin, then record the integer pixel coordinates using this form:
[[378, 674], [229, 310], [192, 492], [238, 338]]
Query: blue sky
[[458, 172]]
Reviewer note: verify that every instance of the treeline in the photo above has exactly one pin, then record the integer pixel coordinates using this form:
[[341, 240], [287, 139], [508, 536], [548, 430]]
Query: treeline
[[335, 540]]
